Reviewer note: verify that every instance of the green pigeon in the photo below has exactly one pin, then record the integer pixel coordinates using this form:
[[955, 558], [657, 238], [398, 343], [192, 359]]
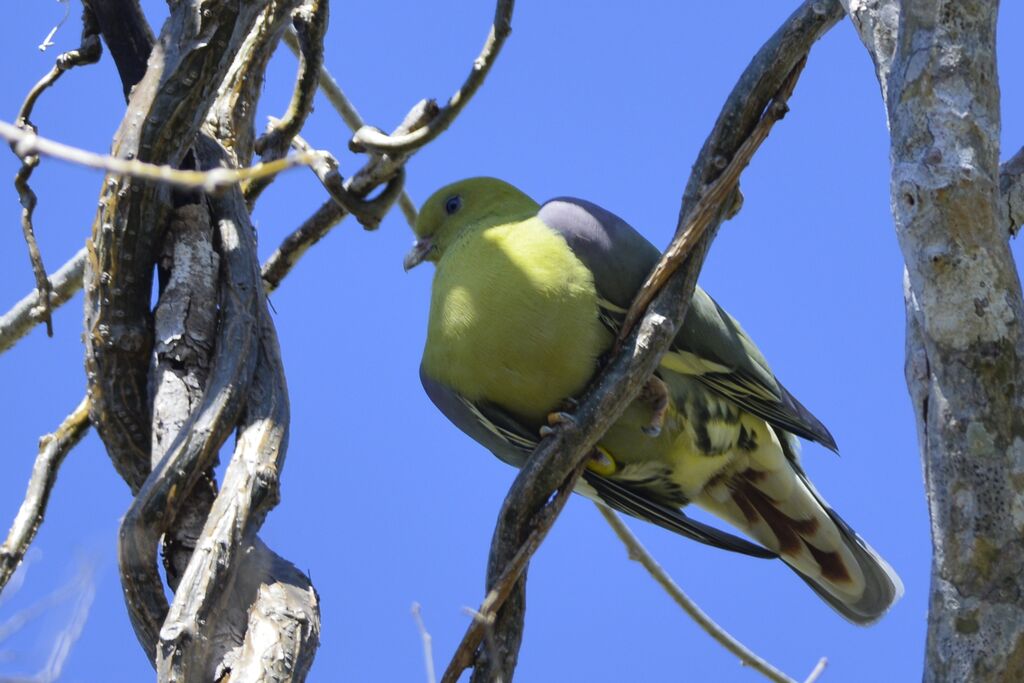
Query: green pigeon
[[526, 302]]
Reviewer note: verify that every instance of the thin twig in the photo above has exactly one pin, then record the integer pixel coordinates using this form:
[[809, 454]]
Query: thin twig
[[369, 213], [368, 138], [490, 645], [428, 649], [309, 21], [88, 52], [816, 672], [496, 597], [639, 553], [330, 88], [378, 170], [52, 450], [709, 205], [25, 143]]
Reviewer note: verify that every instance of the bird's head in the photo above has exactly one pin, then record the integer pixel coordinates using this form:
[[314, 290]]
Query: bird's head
[[473, 203]]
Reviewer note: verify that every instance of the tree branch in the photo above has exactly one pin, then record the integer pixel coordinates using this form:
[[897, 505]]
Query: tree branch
[[372, 139], [88, 52], [52, 450], [639, 553], [27, 313]]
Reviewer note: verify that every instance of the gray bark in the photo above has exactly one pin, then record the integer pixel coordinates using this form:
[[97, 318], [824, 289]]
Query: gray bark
[[936, 63]]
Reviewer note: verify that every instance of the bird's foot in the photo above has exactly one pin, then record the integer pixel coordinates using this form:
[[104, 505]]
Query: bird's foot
[[655, 394], [555, 420]]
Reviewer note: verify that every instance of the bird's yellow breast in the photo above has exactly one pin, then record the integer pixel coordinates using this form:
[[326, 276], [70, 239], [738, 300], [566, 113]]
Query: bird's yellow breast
[[514, 319]]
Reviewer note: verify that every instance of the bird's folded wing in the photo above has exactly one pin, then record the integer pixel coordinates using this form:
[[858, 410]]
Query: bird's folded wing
[[710, 345], [512, 442]]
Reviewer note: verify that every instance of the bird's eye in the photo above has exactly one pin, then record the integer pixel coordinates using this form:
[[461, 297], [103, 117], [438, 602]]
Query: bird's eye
[[452, 204]]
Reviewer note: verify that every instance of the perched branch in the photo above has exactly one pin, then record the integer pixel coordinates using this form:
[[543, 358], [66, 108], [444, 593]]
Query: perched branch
[[639, 553], [52, 449], [372, 139], [509, 580], [88, 52], [626, 373], [709, 205]]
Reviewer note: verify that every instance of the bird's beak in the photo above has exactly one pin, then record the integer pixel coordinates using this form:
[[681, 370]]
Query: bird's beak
[[421, 249]]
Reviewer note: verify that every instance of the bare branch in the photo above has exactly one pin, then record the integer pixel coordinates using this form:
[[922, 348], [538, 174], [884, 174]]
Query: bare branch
[[639, 553], [511, 580], [52, 450], [330, 88], [709, 205], [377, 171], [368, 138], [428, 650], [88, 52], [369, 213], [27, 144], [626, 373], [310, 23], [24, 315]]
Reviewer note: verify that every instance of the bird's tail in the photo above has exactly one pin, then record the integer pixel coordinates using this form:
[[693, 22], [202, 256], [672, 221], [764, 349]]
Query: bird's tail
[[772, 501]]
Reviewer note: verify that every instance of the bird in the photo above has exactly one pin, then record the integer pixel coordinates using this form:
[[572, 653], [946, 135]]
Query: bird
[[525, 305]]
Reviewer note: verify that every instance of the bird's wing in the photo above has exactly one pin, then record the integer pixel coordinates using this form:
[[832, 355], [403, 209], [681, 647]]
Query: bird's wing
[[710, 345], [512, 442]]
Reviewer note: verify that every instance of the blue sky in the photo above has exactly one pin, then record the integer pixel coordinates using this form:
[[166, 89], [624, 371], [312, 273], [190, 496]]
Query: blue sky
[[384, 502]]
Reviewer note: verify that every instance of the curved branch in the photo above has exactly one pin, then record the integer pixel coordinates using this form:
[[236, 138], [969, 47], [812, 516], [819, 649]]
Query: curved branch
[[330, 88], [309, 21], [367, 138], [88, 52]]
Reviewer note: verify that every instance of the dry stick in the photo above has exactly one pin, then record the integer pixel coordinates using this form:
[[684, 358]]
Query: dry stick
[[330, 88], [52, 450], [375, 172], [309, 21], [88, 52], [624, 375], [640, 554], [25, 143], [428, 650], [368, 213], [368, 138], [708, 207], [541, 524]]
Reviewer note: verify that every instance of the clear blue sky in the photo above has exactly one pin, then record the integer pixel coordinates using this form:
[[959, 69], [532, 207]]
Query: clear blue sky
[[384, 502]]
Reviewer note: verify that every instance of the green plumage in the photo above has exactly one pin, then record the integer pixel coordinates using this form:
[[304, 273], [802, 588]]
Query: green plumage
[[525, 303]]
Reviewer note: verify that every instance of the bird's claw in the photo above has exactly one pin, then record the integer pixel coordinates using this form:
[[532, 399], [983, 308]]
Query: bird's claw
[[655, 394], [560, 417]]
